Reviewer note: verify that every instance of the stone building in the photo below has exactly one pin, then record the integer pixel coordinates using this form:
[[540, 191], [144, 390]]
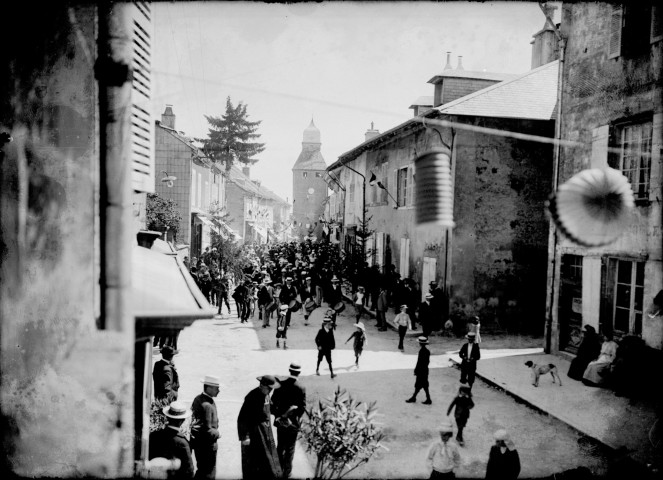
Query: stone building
[[612, 108], [309, 190]]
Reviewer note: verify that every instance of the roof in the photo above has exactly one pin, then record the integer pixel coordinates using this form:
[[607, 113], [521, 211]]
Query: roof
[[310, 159], [237, 177], [532, 96], [186, 140], [500, 77], [425, 101]]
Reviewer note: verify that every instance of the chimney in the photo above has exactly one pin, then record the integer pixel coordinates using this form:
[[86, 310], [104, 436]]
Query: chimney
[[168, 117], [246, 171], [448, 65], [371, 133], [544, 44], [460, 63]]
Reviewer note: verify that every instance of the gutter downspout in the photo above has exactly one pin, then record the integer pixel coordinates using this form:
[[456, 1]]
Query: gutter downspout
[[552, 285]]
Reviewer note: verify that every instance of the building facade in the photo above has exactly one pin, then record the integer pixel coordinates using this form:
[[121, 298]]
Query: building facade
[[309, 189], [612, 107]]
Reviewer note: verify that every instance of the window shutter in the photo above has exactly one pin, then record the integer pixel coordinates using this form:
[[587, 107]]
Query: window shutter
[[405, 258], [656, 24], [410, 185], [142, 126], [600, 137], [616, 22], [395, 185]]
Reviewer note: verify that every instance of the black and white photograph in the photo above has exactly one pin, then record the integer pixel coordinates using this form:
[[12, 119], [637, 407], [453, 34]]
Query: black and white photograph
[[331, 240]]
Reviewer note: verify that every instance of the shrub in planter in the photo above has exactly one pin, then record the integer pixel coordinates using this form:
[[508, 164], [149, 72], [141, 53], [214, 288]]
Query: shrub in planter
[[342, 433]]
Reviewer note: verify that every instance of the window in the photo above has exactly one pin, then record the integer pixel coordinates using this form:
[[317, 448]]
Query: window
[[623, 283], [384, 178], [633, 28], [635, 142], [402, 186]]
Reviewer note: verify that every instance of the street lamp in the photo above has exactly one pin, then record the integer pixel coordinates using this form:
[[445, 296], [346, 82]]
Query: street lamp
[[374, 181]]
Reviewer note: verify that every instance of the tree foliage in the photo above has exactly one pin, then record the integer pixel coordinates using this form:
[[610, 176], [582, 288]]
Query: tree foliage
[[342, 433], [162, 214], [231, 137]]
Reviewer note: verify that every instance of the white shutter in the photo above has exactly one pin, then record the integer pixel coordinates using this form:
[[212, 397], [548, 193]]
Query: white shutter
[[404, 267], [600, 137], [142, 126], [615, 41], [427, 275], [379, 249]]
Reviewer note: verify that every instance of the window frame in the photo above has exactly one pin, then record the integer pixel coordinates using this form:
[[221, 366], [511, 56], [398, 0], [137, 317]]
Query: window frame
[[617, 269], [402, 185], [621, 129]]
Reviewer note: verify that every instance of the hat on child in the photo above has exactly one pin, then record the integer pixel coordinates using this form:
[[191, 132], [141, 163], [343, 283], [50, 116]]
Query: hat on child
[[423, 340], [446, 426], [359, 325]]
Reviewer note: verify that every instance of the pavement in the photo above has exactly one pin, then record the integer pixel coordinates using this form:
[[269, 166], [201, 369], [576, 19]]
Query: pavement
[[594, 412]]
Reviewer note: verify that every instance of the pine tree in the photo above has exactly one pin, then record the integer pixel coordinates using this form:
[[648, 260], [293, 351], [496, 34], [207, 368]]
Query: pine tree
[[230, 136]]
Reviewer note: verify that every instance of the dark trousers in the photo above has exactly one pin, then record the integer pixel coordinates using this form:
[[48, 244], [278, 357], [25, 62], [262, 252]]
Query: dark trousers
[[468, 372], [223, 297], [327, 355], [382, 319], [435, 475], [286, 439], [288, 314], [401, 336], [205, 459]]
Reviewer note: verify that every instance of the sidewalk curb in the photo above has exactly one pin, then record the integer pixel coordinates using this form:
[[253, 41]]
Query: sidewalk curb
[[523, 401]]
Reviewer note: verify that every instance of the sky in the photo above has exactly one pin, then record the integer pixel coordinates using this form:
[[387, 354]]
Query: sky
[[342, 64]]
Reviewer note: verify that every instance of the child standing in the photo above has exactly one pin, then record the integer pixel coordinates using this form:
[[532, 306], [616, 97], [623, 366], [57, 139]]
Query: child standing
[[463, 403], [443, 456], [359, 300], [282, 327], [359, 336], [402, 321]]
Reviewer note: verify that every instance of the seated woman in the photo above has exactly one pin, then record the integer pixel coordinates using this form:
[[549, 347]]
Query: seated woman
[[589, 350], [598, 370]]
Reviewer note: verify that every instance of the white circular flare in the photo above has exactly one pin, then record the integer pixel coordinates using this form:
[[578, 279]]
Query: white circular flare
[[594, 207]]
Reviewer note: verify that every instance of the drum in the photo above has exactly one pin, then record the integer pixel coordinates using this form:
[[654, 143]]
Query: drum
[[310, 305], [294, 305], [271, 306], [339, 307]]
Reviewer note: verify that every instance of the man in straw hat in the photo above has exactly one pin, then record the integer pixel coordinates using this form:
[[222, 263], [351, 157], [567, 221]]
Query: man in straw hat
[[326, 343], [469, 354], [426, 315], [443, 456], [171, 443], [288, 294], [503, 459], [166, 380], [254, 428], [402, 321], [205, 427], [288, 404], [421, 372]]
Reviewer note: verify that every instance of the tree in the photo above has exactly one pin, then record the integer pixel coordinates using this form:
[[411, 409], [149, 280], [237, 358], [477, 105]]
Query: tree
[[230, 136], [162, 214], [342, 433]]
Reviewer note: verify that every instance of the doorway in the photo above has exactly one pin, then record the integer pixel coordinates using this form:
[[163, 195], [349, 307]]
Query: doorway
[[570, 303]]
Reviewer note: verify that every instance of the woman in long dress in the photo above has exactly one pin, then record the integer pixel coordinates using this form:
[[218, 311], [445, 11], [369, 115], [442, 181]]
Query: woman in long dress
[[589, 350], [597, 371]]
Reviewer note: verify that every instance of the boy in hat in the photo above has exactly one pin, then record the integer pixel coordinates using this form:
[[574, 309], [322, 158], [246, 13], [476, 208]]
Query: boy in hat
[[402, 321], [288, 404], [359, 336], [469, 354], [334, 295], [503, 459], [421, 372], [282, 327], [426, 315], [359, 301], [166, 380], [254, 428], [462, 403], [443, 456], [171, 443], [325, 343], [205, 428], [287, 294]]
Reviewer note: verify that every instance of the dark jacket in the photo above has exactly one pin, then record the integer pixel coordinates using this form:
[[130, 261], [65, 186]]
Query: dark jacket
[[425, 316], [423, 359], [205, 421], [325, 339], [287, 294], [290, 393], [166, 380], [502, 466], [463, 405], [171, 443], [476, 353]]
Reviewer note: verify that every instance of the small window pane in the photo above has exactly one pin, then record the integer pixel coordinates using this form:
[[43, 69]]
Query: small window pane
[[637, 324], [639, 294], [621, 319], [640, 273], [623, 296], [624, 272]]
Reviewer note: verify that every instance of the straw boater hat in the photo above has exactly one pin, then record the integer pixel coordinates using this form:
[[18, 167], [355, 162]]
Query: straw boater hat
[[360, 326], [423, 340], [267, 280], [334, 279], [403, 306], [429, 295], [503, 435], [211, 380], [176, 409], [295, 367], [446, 426], [284, 308], [471, 335], [326, 320]]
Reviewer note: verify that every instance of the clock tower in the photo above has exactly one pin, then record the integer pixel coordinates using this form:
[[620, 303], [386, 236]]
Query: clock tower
[[309, 190]]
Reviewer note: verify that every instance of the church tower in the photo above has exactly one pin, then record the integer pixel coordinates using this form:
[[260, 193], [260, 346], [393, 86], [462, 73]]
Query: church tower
[[309, 190]]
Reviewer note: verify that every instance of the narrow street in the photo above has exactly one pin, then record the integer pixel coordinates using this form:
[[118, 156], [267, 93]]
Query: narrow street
[[238, 353]]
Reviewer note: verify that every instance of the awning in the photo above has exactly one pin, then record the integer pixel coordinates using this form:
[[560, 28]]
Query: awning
[[165, 296]]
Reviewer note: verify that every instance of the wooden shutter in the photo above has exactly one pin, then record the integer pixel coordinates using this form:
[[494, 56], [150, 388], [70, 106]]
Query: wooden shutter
[[600, 137], [656, 31], [142, 126], [616, 23], [396, 187], [410, 186]]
